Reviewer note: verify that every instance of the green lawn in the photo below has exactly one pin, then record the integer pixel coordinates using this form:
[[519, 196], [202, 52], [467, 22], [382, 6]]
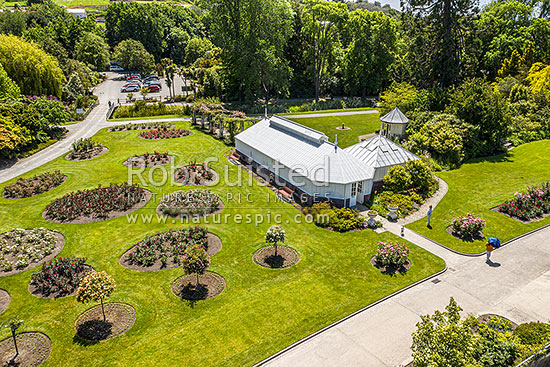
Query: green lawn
[[328, 111], [261, 310], [150, 118], [358, 124], [483, 184]]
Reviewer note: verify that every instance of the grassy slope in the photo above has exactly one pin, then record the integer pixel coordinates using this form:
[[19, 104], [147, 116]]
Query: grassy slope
[[481, 185], [261, 310], [358, 124]]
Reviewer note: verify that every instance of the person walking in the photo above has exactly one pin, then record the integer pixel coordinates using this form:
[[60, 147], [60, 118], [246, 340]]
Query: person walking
[[489, 249], [430, 210]]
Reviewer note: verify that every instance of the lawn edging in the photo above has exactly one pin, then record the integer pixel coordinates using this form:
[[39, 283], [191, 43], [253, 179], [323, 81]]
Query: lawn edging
[[345, 318]]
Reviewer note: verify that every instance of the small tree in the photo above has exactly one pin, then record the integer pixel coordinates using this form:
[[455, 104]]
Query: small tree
[[96, 286], [144, 91], [195, 260], [13, 324], [274, 235]]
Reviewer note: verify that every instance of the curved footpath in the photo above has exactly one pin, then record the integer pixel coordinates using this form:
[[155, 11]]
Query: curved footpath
[[515, 285]]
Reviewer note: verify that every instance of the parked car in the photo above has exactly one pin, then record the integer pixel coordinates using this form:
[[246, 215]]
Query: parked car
[[133, 83], [158, 84], [152, 77], [116, 68], [152, 88], [133, 77], [130, 88]]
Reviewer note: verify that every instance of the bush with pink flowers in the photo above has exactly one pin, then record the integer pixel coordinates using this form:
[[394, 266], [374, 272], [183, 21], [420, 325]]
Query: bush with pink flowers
[[468, 225], [164, 133], [529, 205], [391, 254]]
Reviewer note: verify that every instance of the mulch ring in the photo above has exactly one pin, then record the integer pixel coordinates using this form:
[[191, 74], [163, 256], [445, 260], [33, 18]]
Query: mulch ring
[[96, 152], [111, 215], [214, 246], [35, 292], [90, 326], [59, 243], [189, 177], [285, 258], [536, 219], [22, 197], [4, 300], [390, 269], [478, 237], [34, 348], [210, 285], [191, 216], [140, 161]]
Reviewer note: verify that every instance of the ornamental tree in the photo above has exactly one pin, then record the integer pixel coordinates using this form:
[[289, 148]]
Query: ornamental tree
[[13, 325], [96, 286], [195, 260], [274, 235]]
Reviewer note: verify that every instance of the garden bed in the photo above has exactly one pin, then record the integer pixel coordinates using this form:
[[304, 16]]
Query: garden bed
[[390, 269], [164, 133], [97, 204], [88, 154], [527, 207], [142, 126], [195, 175], [285, 258], [24, 249], [486, 319], [532, 220], [210, 285], [34, 349], [120, 318], [4, 300], [476, 237], [163, 250], [58, 278], [191, 204], [36, 185], [149, 160]]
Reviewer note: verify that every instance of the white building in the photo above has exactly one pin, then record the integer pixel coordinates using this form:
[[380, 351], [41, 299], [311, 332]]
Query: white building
[[394, 123], [303, 160], [77, 13]]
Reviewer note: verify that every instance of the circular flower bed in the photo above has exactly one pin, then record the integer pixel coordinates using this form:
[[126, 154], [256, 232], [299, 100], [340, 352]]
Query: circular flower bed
[[284, 257], [391, 257], [210, 285], [164, 133], [164, 250], [4, 300], [23, 249], [119, 318], [84, 149], [34, 349], [97, 204], [26, 187], [149, 160], [193, 203], [195, 174], [528, 206], [59, 277], [467, 228], [142, 126]]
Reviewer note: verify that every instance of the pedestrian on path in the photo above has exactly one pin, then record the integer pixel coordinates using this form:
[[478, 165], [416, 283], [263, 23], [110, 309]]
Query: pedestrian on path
[[489, 249], [430, 210]]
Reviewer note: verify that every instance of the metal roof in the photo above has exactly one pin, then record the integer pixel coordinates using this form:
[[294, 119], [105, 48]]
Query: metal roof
[[395, 116], [305, 151], [380, 152]]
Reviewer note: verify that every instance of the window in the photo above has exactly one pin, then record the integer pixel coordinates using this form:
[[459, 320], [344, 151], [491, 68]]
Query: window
[[354, 189], [360, 187]]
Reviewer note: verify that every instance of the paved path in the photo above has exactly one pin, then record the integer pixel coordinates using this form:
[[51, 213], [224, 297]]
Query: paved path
[[516, 286], [329, 114]]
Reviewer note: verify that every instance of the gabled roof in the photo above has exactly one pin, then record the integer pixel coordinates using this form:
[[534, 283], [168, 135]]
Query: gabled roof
[[380, 152], [304, 150], [395, 116]]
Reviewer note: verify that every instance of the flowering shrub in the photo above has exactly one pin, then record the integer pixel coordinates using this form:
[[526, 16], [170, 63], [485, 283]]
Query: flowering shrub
[[164, 133], [166, 245], [391, 254], [84, 148], [193, 202], [21, 247], [195, 260], [96, 286], [25, 187], [149, 159], [142, 126], [529, 205], [194, 174], [468, 225], [59, 276], [95, 203]]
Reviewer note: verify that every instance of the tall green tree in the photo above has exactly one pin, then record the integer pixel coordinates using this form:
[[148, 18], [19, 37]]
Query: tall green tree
[[8, 88], [252, 35], [132, 56], [322, 24], [93, 50]]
